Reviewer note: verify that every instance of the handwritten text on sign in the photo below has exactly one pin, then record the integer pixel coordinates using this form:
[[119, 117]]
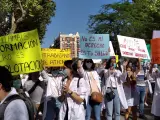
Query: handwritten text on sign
[[21, 53], [133, 47], [55, 57], [94, 46]]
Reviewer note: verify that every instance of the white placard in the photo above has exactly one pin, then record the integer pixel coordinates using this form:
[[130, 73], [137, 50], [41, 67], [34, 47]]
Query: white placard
[[133, 47], [97, 60], [156, 34], [111, 49]]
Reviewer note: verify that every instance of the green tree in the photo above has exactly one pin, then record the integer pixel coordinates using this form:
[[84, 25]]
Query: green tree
[[135, 19], [24, 15]]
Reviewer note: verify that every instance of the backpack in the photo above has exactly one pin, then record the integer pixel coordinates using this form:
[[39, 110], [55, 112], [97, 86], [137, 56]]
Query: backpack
[[22, 96]]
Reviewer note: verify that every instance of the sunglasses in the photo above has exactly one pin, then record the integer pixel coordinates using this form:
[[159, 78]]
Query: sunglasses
[[88, 61]]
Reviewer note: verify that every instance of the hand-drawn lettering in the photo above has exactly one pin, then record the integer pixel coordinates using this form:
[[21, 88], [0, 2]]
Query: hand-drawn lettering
[[94, 45], [100, 38], [91, 38], [25, 66], [84, 38]]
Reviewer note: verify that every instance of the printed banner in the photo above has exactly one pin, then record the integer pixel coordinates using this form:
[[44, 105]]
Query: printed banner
[[155, 50], [55, 57], [21, 53], [94, 46], [133, 47]]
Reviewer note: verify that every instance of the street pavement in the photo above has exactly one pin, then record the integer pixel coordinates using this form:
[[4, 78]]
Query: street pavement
[[147, 112]]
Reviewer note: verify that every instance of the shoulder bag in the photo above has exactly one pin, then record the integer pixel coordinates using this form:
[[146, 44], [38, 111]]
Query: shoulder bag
[[95, 96]]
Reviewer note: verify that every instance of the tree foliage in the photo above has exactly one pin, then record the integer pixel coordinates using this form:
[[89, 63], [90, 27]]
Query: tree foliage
[[24, 15], [135, 19]]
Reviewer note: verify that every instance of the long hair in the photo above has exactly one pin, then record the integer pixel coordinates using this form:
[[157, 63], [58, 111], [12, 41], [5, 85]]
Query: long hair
[[108, 64], [72, 65]]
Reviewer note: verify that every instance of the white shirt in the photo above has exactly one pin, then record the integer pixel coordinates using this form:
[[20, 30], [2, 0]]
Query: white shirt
[[75, 111], [54, 87], [110, 78], [16, 110]]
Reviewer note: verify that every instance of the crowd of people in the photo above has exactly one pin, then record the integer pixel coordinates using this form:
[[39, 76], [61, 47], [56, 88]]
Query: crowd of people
[[81, 89]]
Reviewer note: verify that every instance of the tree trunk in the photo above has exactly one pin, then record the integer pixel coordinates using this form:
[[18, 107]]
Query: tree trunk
[[13, 25]]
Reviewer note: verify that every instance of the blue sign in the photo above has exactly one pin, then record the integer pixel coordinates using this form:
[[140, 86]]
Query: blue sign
[[94, 46]]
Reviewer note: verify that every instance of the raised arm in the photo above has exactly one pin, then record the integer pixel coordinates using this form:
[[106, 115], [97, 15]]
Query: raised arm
[[80, 69], [139, 66]]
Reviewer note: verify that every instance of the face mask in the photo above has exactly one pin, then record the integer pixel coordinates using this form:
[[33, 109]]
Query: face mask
[[155, 65], [17, 84], [113, 65], [130, 64], [89, 65], [66, 72], [55, 72]]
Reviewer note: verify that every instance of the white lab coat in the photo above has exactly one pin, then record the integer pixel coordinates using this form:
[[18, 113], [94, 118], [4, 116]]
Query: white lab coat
[[156, 98], [87, 76], [75, 111], [54, 86], [119, 77]]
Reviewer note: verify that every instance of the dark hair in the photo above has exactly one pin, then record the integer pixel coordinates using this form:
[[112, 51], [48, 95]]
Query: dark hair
[[68, 63], [72, 65], [108, 64], [119, 66], [6, 79], [129, 67], [84, 64]]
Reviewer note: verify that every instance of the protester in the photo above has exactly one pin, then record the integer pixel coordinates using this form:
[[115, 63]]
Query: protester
[[35, 88], [114, 90], [156, 98], [141, 87], [73, 94], [93, 81], [52, 104], [131, 93], [16, 109]]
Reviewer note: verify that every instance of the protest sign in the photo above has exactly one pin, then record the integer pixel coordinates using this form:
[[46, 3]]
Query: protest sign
[[97, 60], [111, 49], [117, 58], [149, 49], [133, 47], [94, 46], [155, 50], [21, 53], [55, 57], [156, 34]]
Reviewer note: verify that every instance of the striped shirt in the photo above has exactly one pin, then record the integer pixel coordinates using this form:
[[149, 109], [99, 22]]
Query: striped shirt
[[140, 78]]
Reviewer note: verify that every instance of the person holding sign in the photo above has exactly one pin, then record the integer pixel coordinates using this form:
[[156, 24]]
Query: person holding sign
[[94, 88], [141, 86], [114, 90], [73, 94]]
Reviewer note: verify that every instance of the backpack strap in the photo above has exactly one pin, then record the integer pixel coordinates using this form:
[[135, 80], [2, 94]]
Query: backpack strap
[[34, 86], [4, 105], [78, 82]]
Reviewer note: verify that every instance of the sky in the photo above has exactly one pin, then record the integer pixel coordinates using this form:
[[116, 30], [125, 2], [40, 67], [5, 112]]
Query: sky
[[71, 17]]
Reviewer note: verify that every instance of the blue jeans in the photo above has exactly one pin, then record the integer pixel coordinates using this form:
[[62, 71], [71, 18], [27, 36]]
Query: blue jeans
[[142, 91], [96, 109], [113, 105], [53, 107]]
